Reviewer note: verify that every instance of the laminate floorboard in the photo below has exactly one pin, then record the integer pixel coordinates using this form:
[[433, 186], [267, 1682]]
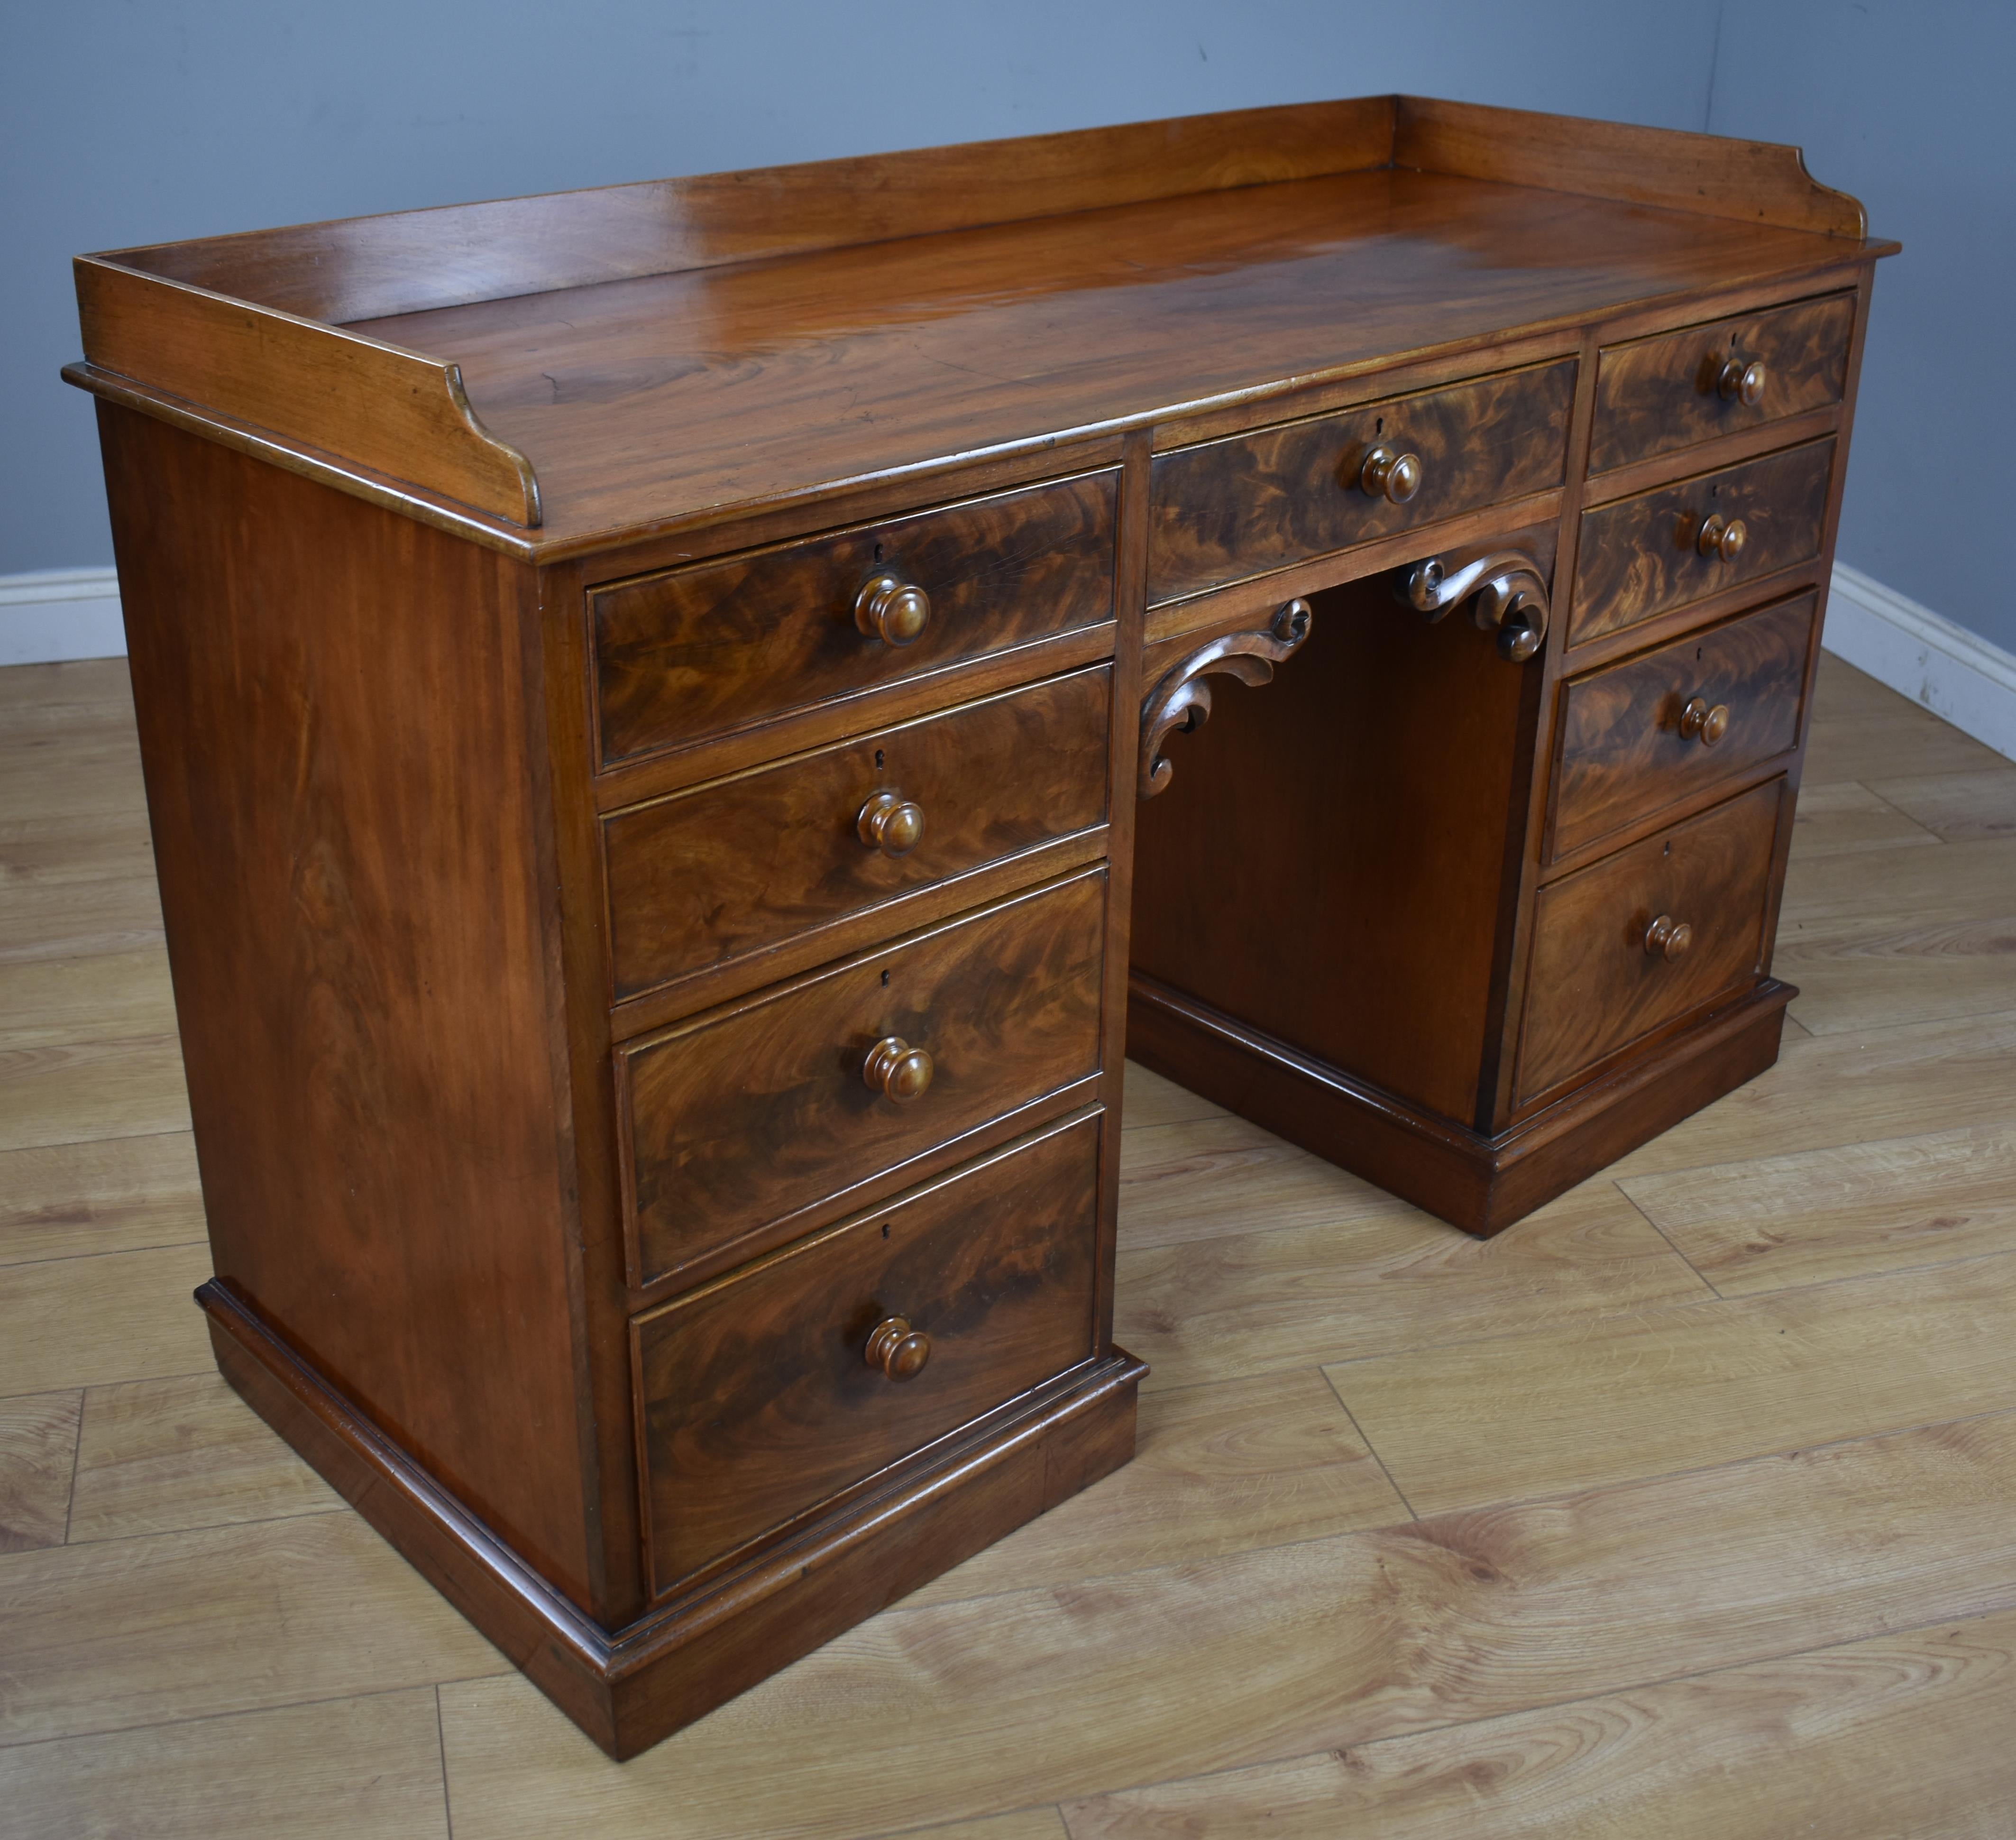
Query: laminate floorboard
[[1277, 1297], [367, 1768], [38, 1456], [104, 1195], [1575, 1404], [1717, 1454], [1811, 1215], [165, 1455], [940, 1712], [1901, 1735]]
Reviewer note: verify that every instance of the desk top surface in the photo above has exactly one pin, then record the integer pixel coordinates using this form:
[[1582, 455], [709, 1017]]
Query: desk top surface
[[758, 380], [557, 374]]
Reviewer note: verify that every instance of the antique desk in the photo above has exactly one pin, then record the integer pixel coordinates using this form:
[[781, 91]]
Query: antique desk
[[671, 718]]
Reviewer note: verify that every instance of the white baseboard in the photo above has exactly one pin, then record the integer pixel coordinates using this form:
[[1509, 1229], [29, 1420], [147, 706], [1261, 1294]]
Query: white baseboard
[[1957, 674], [53, 614], [58, 613]]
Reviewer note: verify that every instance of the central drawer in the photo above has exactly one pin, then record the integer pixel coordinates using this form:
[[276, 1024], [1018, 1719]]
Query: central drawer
[[737, 1126], [1226, 510], [761, 1396], [706, 877]]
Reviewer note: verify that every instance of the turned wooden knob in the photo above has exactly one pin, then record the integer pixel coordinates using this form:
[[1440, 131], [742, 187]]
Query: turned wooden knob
[[1699, 722], [1668, 939], [897, 1071], [892, 610], [899, 1351], [890, 823], [1721, 537], [1390, 475], [1744, 383]]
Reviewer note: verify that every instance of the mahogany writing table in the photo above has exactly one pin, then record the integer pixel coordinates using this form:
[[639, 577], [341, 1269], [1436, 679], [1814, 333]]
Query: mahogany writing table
[[673, 725]]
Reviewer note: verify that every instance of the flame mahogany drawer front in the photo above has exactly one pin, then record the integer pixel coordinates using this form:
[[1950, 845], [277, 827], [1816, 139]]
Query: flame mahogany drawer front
[[770, 1392], [1226, 510], [708, 876], [1606, 970], [1659, 550], [1640, 736], [735, 1125], [697, 652], [1657, 394]]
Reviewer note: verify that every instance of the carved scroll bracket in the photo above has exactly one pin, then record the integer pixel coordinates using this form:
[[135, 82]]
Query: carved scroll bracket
[[1181, 699], [1510, 592]]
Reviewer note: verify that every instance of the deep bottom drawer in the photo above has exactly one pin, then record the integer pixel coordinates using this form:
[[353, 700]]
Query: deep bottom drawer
[[760, 1397], [1601, 977]]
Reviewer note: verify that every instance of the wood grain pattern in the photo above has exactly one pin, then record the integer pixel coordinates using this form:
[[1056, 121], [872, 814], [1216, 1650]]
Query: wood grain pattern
[[162, 1456], [1594, 986], [1739, 1567], [43, 921], [1906, 1081], [1208, 1312], [108, 996], [358, 1769], [1840, 818], [1202, 1179], [68, 1092], [1230, 509], [104, 1195], [710, 875], [1655, 394], [1481, 1183], [737, 1123], [1956, 808], [1336, 1642], [1346, 899], [995, 341], [1899, 1734], [1882, 735], [362, 398], [1584, 1404], [683, 656], [37, 1454], [755, 1403], [1638, 555], [1760, 181], [1218, 1469], [360, 973], [126, 1633], [402, 261], [1876, 949], [1621, 753], [1808, 1216], [124, 1315]]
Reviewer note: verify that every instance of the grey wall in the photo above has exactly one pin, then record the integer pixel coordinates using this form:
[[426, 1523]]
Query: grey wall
[[1910, 105], [150, 119]]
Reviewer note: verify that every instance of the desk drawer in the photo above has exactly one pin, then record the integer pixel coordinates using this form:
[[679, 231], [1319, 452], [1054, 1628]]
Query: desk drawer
[[1644, 555], [756, 1395], [710, 875], [1657, 394], [1643, 734], [701, 651], [1225, 510], [735, 1124], [1597, 984]]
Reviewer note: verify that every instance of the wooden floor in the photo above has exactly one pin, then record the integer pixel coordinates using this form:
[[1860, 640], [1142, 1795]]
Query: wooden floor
[[1685, 1508]]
